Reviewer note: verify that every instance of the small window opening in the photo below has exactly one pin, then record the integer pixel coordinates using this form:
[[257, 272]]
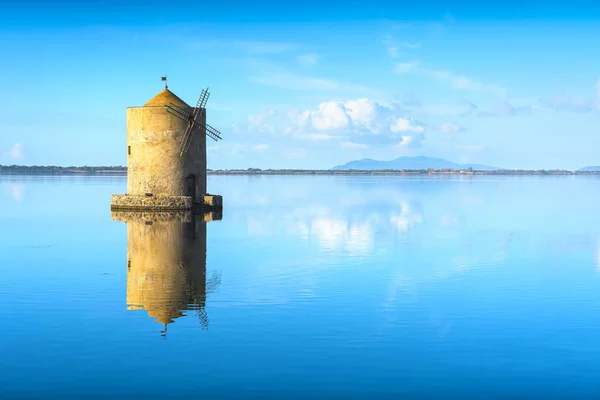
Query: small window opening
[[128, 150]]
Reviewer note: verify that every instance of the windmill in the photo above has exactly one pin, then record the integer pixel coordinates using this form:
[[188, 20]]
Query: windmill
[[195, 123]]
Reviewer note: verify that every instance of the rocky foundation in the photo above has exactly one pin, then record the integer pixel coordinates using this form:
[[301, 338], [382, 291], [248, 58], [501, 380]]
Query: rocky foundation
[[126, 202]]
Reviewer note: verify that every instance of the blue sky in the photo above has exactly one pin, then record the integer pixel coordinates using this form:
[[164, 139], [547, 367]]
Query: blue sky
[[308, 85]]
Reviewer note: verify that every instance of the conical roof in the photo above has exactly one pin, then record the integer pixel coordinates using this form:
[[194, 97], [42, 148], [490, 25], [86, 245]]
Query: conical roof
[[164, 98], [165, 316]]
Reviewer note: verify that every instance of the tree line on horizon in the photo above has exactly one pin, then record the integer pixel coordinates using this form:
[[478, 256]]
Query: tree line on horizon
[[52, 169]]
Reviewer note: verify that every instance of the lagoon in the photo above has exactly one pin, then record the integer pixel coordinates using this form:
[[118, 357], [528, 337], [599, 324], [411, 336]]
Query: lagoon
[[309, 286]]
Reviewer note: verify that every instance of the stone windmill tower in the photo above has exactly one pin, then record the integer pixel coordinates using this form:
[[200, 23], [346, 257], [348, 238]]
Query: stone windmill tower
[[166, 155]]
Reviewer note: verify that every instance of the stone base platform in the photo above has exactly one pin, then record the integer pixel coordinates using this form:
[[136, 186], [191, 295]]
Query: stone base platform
[[127, 202]]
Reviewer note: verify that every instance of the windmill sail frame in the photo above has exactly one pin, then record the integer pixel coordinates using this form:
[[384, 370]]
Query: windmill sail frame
[[194, 118]]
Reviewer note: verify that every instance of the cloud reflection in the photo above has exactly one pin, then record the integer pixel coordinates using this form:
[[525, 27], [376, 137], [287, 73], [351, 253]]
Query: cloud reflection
[[17, 191], [406, 219], [348, 224]]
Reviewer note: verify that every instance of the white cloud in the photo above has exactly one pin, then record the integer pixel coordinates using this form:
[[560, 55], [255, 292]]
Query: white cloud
[[449, 220], [404, 124], [16, 153], [353, 124], [352, 145], [331, 115], [308, 60], [502, 108], [456, 81], [369, 115], [565, 103], [258, 118], [451, 127], [412, 140], [361, 122], [393, 47], [212, 148], [394, 52], [299, 118], [505, 108], [405, 67], [261, 147], [462, 82], [256, 123], [470, 108]]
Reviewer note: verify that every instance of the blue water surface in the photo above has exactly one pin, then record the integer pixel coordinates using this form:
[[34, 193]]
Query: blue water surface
[[320, 287]]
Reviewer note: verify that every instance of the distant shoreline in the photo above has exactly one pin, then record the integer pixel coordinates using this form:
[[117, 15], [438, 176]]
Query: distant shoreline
[[122, 171]]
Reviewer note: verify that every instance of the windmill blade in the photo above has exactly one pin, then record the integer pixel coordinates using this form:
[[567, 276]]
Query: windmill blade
[[213, 133], [187, 138], [194, 117], [205, 99], [198, 112], [203, 318], [179, 112], [201, 104], [210, 131]]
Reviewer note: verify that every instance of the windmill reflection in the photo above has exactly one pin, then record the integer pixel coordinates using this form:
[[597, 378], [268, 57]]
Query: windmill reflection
[[166, 264]]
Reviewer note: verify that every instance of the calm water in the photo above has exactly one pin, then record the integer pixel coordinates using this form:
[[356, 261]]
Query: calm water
[[355, 287]]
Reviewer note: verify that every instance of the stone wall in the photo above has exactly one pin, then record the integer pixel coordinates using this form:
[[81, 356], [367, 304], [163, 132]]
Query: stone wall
[[212, 201], [154, 163], [166, 203], [131, 202]]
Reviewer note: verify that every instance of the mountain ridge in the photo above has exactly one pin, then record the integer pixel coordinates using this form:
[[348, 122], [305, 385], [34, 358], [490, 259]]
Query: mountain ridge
[[409, 163], [590, 168]]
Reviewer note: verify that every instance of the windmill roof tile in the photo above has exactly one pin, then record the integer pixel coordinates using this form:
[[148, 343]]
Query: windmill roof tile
[[165, 97]]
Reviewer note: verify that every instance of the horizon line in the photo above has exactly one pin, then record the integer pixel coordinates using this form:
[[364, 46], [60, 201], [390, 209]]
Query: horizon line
[[119, 168]]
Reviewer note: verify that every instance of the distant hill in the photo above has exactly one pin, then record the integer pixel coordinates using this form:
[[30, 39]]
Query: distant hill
[[589, 169], [410, 163]]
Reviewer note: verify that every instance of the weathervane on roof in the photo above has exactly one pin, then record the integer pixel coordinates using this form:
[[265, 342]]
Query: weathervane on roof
[[164, 78]]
